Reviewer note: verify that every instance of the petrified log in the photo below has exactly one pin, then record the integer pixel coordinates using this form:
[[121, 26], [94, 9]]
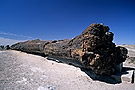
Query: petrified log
[[31, 46], [93, 48]]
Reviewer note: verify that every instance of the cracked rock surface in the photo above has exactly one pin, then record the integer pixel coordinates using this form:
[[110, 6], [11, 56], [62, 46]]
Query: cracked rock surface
[[93, 48]]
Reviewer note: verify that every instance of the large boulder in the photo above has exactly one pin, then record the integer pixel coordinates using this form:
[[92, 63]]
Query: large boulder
[[93, 48]]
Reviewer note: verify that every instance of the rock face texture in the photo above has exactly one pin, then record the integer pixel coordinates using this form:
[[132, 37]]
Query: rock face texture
[[93, 48], [2, 47], [31, 46]]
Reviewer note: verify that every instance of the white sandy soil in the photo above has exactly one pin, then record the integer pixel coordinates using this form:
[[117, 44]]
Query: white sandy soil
[[22, 71]]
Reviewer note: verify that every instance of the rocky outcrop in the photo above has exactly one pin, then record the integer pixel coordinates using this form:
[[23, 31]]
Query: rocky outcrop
[[93, 48], [2, 47]]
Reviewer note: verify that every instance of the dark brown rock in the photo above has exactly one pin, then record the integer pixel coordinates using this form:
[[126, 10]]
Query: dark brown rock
[[93, 48], [7, 47], [31, 46]]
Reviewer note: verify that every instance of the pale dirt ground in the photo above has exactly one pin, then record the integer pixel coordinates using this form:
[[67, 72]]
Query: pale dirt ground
[[21, 71]]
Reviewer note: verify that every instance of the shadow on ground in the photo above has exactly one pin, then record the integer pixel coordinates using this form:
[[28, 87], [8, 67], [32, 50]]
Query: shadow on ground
[[102, 78], [90, 73]]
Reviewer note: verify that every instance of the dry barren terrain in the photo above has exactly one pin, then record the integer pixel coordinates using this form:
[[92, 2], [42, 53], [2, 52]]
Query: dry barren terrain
[[22, 71]]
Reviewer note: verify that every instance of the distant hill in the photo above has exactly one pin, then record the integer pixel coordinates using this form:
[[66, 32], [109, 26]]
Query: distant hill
[[6, 41]]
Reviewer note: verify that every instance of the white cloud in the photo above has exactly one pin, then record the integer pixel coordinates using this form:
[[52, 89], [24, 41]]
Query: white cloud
[[15, 35], [5, 41]]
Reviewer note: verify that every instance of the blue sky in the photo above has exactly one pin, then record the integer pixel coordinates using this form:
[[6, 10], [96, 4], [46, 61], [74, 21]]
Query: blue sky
[[61, 19]]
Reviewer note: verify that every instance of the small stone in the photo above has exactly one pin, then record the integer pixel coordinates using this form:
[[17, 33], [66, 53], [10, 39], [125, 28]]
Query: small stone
[[47, 87], [129, 77]]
